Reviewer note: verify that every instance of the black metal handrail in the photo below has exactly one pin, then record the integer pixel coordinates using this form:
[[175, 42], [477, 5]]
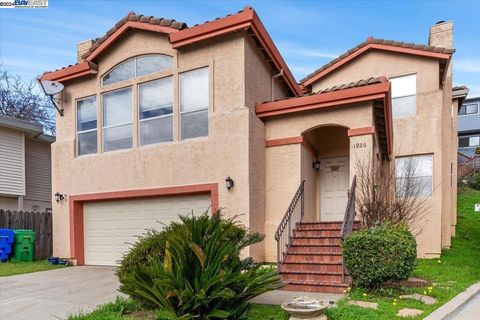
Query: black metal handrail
[[349, 219], [295, 213]]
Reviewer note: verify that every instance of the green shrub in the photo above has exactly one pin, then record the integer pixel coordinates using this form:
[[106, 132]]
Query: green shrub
[[474, 181], [380, 254], [199, 274]]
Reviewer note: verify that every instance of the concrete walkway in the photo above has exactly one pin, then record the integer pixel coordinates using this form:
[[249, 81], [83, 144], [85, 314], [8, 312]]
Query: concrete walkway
[[464, 306], [470, 311], [56, 294]]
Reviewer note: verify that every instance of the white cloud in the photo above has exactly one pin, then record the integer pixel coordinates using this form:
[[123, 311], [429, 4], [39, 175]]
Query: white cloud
[[467, 65]]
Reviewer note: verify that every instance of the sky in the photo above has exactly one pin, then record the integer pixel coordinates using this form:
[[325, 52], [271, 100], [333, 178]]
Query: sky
[[307, 33]]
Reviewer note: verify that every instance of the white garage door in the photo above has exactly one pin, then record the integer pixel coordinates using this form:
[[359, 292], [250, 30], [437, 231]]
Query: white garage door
[[111, 227]]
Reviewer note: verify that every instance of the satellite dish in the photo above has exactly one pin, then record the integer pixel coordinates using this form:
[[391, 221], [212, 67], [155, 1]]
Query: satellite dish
[[51, 88]]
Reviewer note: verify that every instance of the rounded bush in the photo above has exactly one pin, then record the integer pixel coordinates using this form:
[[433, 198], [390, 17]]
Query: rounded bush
[[376, 255]]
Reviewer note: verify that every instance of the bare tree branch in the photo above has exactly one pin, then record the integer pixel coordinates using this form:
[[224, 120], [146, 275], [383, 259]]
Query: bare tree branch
[[24, 101]]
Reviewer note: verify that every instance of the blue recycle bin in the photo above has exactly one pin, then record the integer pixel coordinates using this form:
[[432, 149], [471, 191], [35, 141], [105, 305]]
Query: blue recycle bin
[[7, 238]]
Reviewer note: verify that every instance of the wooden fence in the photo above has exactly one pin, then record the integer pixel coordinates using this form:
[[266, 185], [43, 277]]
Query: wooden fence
[[40, 222]]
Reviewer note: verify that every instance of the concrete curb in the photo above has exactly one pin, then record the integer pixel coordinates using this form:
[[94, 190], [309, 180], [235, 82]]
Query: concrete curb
[[451, 308]]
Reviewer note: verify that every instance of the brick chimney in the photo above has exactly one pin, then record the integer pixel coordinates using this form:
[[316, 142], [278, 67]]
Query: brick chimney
[[83, 47], [441, 34]]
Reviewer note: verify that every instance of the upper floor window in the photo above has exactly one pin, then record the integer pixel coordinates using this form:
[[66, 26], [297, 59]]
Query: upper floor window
[[404, 99], [469, 108], [156, 111], [414, 176], [194, 102], [117, 119], [87, 126], [137, 67], [472, 141]]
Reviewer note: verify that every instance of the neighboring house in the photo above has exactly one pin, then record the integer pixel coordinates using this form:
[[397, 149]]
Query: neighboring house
[[469, 126], [25, 166], [158, 116]]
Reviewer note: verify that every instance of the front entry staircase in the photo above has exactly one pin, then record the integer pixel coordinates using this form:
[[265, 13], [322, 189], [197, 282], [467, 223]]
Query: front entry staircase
[[314, 261], [309, 253]]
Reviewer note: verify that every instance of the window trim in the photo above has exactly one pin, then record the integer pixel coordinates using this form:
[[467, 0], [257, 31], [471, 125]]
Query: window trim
[[469, 114], [85, 131], [117, 125], [408, 95], [431, 155], [469, 136]]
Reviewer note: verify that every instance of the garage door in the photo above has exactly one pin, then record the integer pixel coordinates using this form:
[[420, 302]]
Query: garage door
[[111, 227]]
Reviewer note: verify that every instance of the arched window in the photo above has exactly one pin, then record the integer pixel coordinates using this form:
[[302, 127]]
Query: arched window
[[137, 67]]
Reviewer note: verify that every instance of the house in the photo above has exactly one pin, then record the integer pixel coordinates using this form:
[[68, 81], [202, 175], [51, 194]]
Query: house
[[469, 126], [25, 166], [161, 119]]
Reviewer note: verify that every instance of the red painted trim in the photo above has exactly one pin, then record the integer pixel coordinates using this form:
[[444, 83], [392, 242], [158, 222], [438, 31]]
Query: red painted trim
[[283, 141], [120, 31], [291, 140], [361, 131], [77, 70], [321, 100], [384, 47], [76, 202]]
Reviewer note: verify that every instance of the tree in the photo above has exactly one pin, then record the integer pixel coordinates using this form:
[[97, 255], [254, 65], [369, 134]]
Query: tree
[[382, 197], [24, 100]]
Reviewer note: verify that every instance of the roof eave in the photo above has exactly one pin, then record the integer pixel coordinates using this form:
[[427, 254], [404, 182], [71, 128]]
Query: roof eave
[[373, 46], [247, 19], [71, 72]]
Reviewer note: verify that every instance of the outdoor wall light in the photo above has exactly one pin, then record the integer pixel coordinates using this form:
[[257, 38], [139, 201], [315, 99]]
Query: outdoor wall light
[[229, 183], [59, 197], [316, 165]]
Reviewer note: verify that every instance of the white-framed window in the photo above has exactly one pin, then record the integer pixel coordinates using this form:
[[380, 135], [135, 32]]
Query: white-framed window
[[87, 125], [414, 176], [404, 96], [469, 141], [194, 103], [117, 119], [137, 67], [468, 108], [155, 106]]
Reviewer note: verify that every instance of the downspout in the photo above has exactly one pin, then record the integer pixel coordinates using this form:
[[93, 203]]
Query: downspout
[[273, 81]]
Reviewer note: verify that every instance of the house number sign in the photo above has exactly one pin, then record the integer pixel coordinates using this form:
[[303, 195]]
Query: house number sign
[[359, 145]]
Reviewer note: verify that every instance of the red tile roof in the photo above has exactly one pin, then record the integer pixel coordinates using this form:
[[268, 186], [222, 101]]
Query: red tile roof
[[131, 16], [379, 44]]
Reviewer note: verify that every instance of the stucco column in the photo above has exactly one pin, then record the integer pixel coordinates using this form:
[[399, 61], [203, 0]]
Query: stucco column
[[361, 148]]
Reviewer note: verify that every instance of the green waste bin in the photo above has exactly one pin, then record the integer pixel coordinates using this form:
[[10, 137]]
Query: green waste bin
[[24, 245]]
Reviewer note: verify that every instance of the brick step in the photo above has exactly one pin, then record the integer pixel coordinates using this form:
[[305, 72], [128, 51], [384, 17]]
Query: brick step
[[314, 286], [311, 266], [315, 249], [324, 225], [314, 276], [301, 241], [313, 258], [317, 233]]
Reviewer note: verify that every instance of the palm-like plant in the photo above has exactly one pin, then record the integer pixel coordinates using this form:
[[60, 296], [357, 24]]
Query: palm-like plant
[[201, 275]]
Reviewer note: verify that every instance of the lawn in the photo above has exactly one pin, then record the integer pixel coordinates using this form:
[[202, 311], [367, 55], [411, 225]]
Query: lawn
[[13, 268], [456, 270]]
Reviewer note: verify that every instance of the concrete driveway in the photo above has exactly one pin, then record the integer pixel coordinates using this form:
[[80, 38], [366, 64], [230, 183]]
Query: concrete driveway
[[56, 294]]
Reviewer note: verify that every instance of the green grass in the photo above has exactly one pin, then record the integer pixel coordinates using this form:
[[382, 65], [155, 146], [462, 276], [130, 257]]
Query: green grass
[[456, 270], [13, 268]]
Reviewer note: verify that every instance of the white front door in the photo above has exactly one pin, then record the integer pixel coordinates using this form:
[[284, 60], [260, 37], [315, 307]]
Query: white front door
[[334, 181]]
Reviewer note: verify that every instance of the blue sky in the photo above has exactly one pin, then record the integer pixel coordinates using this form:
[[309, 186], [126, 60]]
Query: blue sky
[[307, 33]]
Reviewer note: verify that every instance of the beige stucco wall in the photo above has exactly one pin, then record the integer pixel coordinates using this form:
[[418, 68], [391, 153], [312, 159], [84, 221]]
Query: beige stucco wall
[[288, 165], [426, 133], [236, 136]]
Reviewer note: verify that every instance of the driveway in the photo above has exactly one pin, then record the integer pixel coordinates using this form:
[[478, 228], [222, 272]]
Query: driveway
[[56, 294]]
